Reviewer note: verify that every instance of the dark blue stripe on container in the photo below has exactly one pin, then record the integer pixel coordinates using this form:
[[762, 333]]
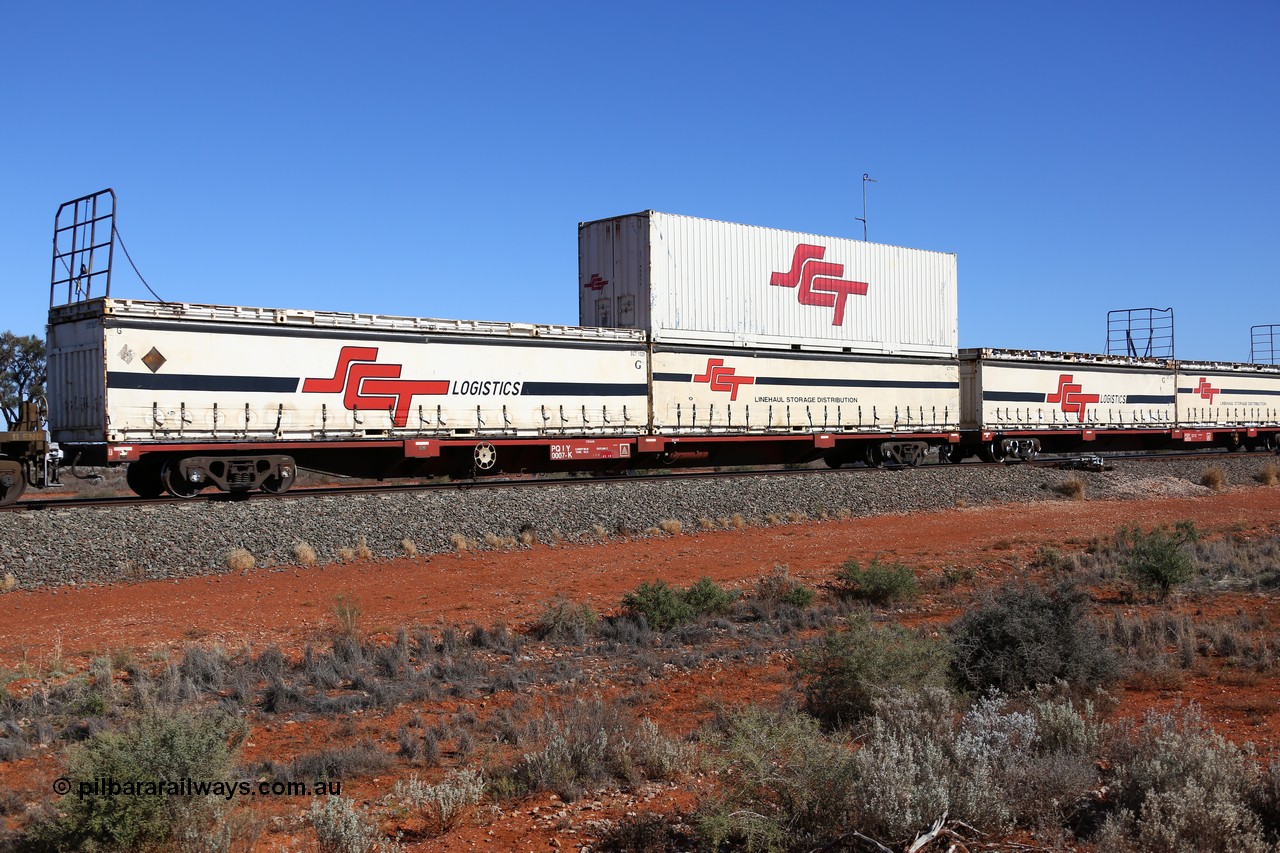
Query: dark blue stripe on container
[[672, 377], [1012, 397], [197, 382]]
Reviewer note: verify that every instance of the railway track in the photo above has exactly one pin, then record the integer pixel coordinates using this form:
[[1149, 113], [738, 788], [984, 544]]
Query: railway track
[[1081, 463]]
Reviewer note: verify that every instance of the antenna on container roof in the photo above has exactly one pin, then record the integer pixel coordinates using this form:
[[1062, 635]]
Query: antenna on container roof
[[866, 179]]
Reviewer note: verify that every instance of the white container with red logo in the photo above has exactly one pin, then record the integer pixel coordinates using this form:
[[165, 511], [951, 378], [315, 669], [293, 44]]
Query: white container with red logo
[[701, 281]]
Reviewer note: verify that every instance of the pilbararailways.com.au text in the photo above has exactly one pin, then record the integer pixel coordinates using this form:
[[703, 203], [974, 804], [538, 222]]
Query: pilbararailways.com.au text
[[107, 786]]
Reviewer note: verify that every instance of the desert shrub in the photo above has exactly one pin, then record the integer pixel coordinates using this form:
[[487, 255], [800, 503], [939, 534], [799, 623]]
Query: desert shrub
[[1269, 475], [1022, 637], [409, 547], [304, 554], [342, 827], [589, 744], [562, 620], [664, 607], [444, 805], [363, 759], [779, 589], [1214, 478], [648, 833], [239, 560], [156, 747], [845, 672], [1072, 488], [1157, 560], [1180, 786], [707, 598], [346, 612], [670, 526], [784, 784], [877, 583]]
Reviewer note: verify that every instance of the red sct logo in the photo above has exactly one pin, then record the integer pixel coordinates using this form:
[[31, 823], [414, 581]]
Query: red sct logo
[[596, 283], [1069, 398], [366, 385], [721, 378], [819, 281], [1207, 391]]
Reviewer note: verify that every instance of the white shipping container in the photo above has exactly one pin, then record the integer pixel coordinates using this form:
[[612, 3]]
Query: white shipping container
[[697, 390], [1223, 394], [1018, 390], [703, 281], [129, 371]]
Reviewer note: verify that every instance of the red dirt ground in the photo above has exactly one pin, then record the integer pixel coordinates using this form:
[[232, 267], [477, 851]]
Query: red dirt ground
[[291, 606]]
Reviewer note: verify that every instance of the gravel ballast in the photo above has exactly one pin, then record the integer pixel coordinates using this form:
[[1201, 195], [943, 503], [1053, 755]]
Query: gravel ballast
[[104, 545]]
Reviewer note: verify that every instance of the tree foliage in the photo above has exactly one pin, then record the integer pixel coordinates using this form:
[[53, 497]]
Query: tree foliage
[[22, 372]]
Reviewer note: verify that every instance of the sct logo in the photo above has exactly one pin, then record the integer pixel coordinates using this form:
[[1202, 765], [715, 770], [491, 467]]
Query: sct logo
[[721, 378], [818, 281], [596, 283], [1207, 391], [366, 385], [1069, 398]]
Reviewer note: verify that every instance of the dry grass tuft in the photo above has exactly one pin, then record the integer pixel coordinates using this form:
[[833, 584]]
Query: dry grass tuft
[[346, 555], [304, 554], [796, 517], [409, 547], [653, 531], [528, 537], [239, 560], [961, 503], [599, 532], [459, 542], [1269, 475], [844, 513], [773, 518], [347, 614], [1214, 478], [706, 523], [1072, 488], [9, 583], [737, 522], [671, 526], [362, 550]]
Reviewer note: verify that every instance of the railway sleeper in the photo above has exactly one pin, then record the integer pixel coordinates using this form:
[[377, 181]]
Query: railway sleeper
[[186, 476]]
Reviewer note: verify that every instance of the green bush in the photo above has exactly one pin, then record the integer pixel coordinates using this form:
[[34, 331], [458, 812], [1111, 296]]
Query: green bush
[[845, 672], [783, 784], [778, 588], [877, 583], [1158, 560], [1022, 637], [564, 621], [157, 748], [664, 607]]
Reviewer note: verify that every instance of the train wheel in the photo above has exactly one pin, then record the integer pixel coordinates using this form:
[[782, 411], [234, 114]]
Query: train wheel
[[874, 456], [951, 453], [276, 485], [176, 484], [144, 478], [992, 451], [834, 459], [12, 483], [486, 456]]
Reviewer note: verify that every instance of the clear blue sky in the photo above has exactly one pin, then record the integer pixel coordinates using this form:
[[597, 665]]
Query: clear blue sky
[[434, 159]]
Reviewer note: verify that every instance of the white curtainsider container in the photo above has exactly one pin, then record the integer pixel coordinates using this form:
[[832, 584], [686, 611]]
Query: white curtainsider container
[[147, 372], [728, 389], [702, 281], [1019, 390], [1223, 394]]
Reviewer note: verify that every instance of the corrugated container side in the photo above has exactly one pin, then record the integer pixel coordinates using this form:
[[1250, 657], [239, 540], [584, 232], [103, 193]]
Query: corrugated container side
[[76, 387], [703, 281]]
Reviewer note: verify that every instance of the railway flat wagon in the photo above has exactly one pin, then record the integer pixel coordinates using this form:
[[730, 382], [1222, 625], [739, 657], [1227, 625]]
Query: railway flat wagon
[[700, 281], [1229, 404], [1016, 403], [195, 395], [867, 408]]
